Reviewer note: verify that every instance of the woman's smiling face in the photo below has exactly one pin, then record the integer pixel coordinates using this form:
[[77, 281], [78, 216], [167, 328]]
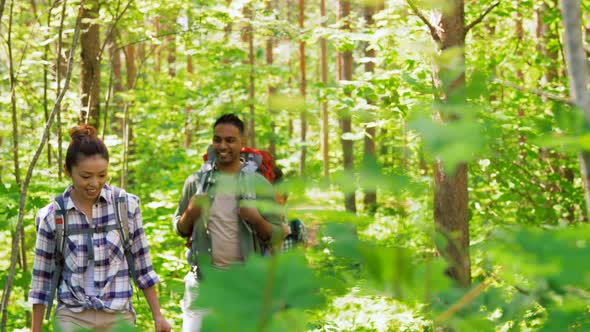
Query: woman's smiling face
[[89, 175]]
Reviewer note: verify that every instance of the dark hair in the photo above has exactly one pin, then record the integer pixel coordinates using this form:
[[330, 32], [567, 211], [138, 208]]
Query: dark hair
[[85, 143], [231, 119]]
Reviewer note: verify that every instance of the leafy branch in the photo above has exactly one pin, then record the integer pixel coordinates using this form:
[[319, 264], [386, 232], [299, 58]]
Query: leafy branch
[[423, 18], [481, 17]]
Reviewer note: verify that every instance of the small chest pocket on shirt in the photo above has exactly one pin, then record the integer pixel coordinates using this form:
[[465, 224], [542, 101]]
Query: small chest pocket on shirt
[[75, 255], [115, 252]]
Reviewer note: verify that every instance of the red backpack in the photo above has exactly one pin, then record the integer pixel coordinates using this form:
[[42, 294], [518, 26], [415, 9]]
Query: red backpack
[[263, 159]]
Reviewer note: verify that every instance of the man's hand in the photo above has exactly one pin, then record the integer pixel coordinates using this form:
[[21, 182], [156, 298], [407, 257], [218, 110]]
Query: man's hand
[[192, 213], [195, 206]]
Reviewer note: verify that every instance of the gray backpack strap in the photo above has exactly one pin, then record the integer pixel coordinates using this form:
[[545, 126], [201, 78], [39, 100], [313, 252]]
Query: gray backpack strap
[[122, 219], [59, 217]]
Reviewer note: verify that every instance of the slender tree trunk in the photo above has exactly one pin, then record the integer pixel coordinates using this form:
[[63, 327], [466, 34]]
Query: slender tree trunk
[[302, 90], [61, 66], [345, 118], [2, 3], [90, 62], [577, 68], [324, 96], [156, 49], [46, 83], [271, 91], [171, 41], [126, 128], [23, 195], [544, 35], [188, 130], [290, 126], [248, 36], [12, 79], [370, 153]]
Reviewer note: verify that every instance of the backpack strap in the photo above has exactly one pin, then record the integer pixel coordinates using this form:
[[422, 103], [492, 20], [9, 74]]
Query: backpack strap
[[122, 219], [59, 217]]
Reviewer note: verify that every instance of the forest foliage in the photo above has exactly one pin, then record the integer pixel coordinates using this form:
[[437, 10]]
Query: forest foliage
[[169, 68]]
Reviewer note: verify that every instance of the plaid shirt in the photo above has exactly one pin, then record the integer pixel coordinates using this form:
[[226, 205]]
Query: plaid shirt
[[111, 277]]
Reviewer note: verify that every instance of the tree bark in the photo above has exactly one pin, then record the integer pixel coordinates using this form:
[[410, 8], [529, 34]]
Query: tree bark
[[545, 34], [171, 41], [346, 119], [23, 196], [324, 102], [90, 63], [369, 149], [451, 210], [271, 90], [188, 129], [577, 68], [61, 66], [302, 89], [12, 82]]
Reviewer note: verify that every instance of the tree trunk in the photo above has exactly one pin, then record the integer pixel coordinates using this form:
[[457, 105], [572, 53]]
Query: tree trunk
[[451, 209], [156, 49], [126, 127], [248, 39], [188, 130], [271, 92], [90, 63], [370, 154], [324, 102], [545, 34], [61, 67], [171, 41], [12, 82], [577, 68], [302, 88], [346, 119]]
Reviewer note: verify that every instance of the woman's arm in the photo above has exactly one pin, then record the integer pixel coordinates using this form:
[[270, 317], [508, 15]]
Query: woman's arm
[[152, 297], [38, 310]]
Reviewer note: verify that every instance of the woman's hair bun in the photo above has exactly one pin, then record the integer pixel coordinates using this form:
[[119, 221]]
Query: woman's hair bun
[[82, 130]]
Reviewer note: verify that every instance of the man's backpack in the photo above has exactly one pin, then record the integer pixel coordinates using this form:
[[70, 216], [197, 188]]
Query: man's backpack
[[260, 159], [62, 232]]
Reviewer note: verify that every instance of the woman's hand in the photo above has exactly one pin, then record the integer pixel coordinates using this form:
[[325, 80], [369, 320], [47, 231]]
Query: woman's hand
[[161, 324]]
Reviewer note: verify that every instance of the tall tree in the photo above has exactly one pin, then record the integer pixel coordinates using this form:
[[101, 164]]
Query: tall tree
[[302, 88], [346, 68], [14, 111], [451, 211], [248, 38], [577, 68], [546, 36], [271, 89], [370, 155], [324, 97], [90, 63]]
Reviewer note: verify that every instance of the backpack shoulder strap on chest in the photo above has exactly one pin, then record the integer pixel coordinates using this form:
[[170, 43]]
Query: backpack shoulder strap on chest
[[122, 219], [59, 217]]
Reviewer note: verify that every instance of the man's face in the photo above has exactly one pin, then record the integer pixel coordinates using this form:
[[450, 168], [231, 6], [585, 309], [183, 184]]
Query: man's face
[[227, 143]]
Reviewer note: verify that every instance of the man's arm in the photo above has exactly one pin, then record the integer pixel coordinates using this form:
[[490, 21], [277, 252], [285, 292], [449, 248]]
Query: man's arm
[[183, 222], [263, 228], [258, 195]]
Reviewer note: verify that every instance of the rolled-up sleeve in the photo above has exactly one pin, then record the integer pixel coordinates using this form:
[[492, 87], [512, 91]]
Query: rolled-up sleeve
[[188, 190], [44, 262], [146, 275]]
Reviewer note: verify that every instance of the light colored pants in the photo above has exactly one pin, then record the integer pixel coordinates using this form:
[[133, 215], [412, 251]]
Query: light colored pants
[[69, 321], [191, 318]]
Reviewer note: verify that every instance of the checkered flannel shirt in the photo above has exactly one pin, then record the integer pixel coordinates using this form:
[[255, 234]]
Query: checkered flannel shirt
[[111, 277]]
